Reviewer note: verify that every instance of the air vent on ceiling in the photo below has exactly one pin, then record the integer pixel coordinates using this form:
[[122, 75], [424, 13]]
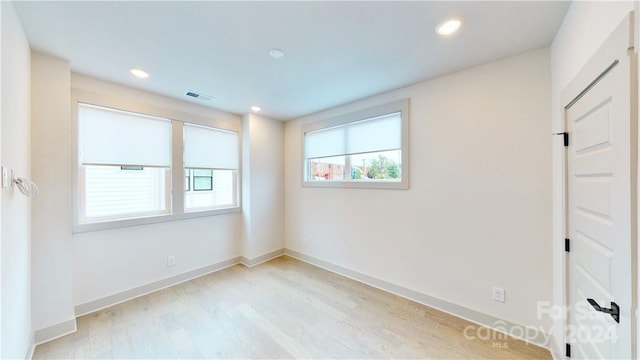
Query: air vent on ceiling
[[196, 95]]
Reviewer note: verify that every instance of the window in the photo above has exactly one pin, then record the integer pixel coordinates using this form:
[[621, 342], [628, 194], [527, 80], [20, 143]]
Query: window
[[125, 174], [126, 162], [367, 149], [210, 156]]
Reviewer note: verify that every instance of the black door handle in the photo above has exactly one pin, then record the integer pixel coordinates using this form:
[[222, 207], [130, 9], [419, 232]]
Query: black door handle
[[614, 311]]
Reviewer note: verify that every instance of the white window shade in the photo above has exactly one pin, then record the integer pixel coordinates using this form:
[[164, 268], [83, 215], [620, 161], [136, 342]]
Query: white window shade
[[210, 148], [112, 137], [378, 134], [325, 142]]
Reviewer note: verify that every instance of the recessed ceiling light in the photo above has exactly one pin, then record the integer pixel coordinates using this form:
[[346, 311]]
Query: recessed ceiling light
[[449, 26], [139, 73], [276, 54], [256, 108]]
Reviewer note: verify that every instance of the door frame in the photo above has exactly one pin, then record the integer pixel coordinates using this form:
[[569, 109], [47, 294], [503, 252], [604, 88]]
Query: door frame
[[581, 82]]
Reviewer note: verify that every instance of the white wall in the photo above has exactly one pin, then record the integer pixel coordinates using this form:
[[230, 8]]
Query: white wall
[[1, 100], [586, 26], [477, 211], [16, 208], [263, 186], [74, 269], [51, 214], [112, 261]]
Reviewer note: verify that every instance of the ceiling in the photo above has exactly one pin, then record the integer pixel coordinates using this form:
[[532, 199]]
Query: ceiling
[[336, 52]]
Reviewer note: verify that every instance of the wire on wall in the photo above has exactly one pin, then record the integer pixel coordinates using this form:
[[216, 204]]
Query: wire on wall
[[26, 186]]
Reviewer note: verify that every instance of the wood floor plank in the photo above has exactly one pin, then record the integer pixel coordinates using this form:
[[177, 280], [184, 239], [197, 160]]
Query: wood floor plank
[[281, 309]]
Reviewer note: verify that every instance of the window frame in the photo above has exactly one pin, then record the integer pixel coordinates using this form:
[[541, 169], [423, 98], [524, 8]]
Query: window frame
[[187, 180], [401, 106], [177, 178]]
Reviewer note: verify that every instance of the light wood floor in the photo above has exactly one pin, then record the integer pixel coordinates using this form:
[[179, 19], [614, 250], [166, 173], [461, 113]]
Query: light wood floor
[[280, 309]]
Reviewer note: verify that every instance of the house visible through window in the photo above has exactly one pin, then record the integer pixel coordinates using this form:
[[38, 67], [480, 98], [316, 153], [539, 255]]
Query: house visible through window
[[202, 179], [363, 149]]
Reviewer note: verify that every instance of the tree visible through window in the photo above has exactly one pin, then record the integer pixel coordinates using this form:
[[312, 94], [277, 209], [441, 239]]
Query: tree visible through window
[[384, 165]]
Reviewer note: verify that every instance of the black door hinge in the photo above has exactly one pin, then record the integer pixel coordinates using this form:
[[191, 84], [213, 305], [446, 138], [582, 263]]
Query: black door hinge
[[565, 137], [567, 351], [567, 245]]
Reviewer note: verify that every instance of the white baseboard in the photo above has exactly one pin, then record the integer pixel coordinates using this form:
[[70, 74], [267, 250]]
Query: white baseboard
[[482, 319], [54, 331], [67, 327], [30, 349], [105, 302], [262, 258]]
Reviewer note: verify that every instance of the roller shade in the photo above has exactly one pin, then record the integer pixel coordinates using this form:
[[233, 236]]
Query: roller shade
[[325, 142], [114, 137], [210, 148], [375, 134]]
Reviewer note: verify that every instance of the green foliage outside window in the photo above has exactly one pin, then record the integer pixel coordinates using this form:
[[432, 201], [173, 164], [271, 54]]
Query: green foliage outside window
[[383, 168]]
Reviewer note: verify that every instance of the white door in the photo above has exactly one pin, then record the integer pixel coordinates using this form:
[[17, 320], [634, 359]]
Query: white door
[[601, 175]]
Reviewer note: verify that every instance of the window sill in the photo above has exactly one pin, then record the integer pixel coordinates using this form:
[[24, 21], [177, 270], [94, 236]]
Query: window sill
[[397, 185], [156, 219]]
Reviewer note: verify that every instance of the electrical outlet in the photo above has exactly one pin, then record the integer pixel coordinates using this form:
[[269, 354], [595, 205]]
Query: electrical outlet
[[498, 294], [305, 242], [6, 180], [171, 260]]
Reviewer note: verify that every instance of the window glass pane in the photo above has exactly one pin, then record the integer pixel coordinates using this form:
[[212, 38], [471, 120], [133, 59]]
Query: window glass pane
[[215, 190], [327, 168], [112, 191], [187, 180], [384, 165]]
